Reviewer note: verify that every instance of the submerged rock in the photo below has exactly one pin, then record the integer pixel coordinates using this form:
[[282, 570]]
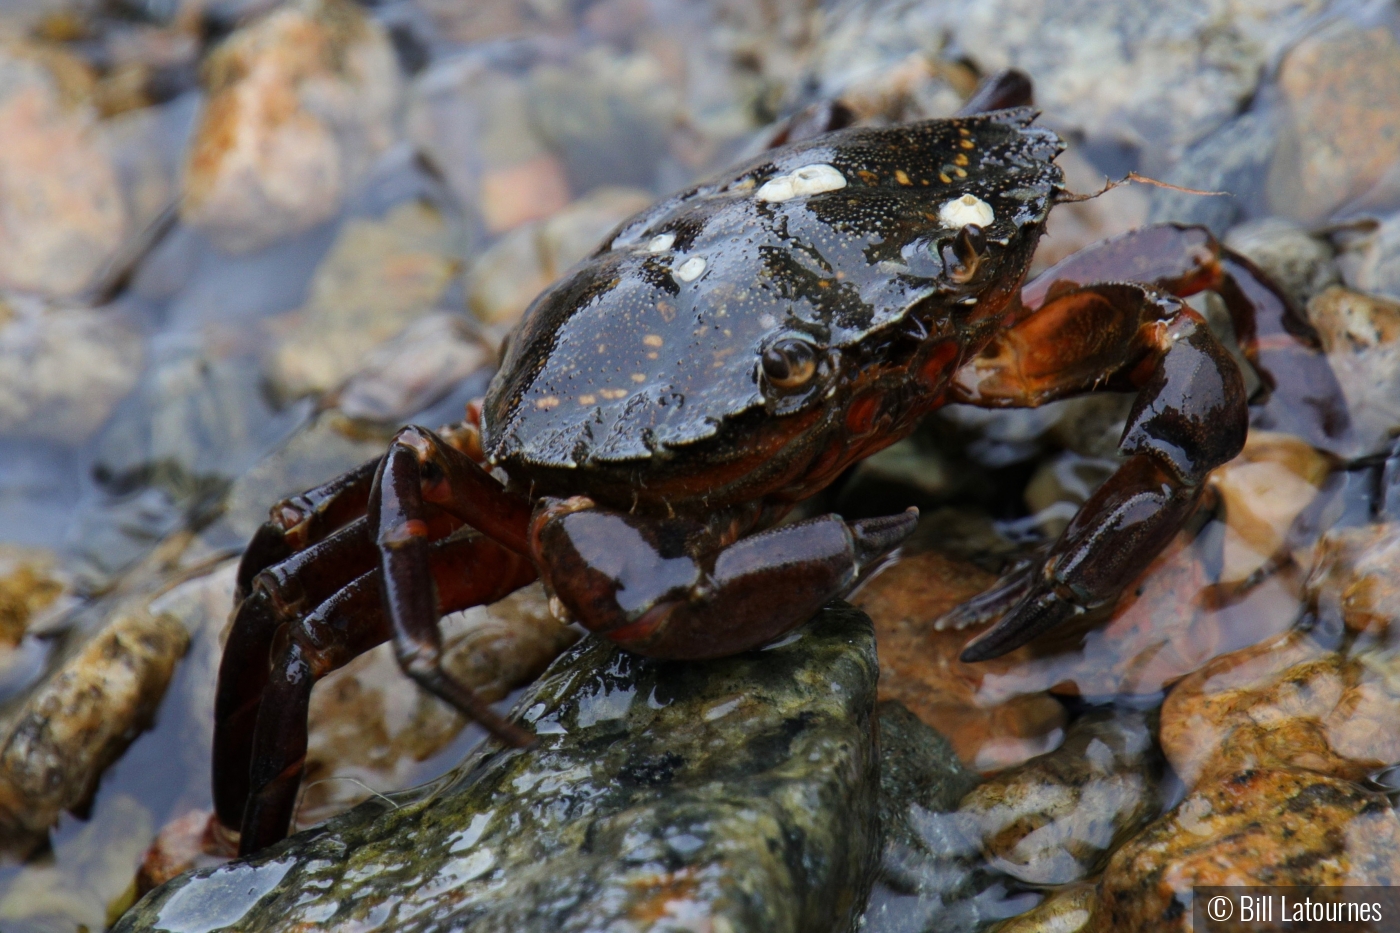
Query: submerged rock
[[731, 795], [56, 743], [1054, 819], [300, 103], [919, 665], [1361, 333], [1285, 827]]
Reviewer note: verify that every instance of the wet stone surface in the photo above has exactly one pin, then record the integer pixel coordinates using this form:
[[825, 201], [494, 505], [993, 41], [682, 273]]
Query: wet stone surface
[[739, 791]]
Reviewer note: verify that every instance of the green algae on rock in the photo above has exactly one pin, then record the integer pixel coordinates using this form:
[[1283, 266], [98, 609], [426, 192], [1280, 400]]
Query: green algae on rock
[[730, 796]]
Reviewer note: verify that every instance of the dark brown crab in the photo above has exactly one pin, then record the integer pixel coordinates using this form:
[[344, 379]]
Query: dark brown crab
[[724, 355]]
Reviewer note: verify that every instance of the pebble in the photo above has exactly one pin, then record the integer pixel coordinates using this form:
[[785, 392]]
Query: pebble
[[63, 368], [512, 271], [1258, 827], [414, 369], [301, 101], [734, 794], [1370, 258], [1362, 336], [1356, 579], [1287, 702], [379, 277], [1340, 89], [56, 742], [1295, 260], [1073, 908], [1054, 819], [62, 216], [32, 590], [1234, 158], [919, 666]]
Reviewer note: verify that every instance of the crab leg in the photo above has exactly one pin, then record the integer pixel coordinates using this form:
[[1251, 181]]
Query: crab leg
[[1275, 337], [465, 570], [662, 589], [1190, 416]]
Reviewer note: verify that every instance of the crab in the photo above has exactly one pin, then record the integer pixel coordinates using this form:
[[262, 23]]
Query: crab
[[725, 355]]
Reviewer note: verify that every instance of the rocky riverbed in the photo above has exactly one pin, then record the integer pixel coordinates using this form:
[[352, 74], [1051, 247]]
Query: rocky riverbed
[[242, 241]]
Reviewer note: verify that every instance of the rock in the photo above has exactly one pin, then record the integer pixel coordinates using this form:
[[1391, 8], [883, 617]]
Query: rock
[[918, 769], [1149, 79], [57, 742], [62, 217], [734, 794], [1370, 260], [413, 370], [1295, 260], [1235, 159], [1288, 702], [1262, 492], [1362, 336], [1054, 819], [582, 108], [194, 840], [496, 19], [919, 666], [62, 368], [300, 103], [1073, 908], [1340, 88], [520, 265], [81, 885], [379, 277], [372, 728], [1355, 579], [1250, 828], [472, 122], [32, 590]]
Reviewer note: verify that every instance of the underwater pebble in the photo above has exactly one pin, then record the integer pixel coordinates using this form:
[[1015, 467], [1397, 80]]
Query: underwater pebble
[[1055, 819], [62, 215], [300, 102], [379, 277], [1361, 334], [919, 666], [635, 808], [414, 369], [1255, 827]]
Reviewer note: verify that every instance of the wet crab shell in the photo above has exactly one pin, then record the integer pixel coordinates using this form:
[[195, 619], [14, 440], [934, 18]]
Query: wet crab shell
[[652, 343]]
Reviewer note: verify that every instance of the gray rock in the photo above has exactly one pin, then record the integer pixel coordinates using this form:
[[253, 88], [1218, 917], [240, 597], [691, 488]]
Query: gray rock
[[1233, 159], [736, 794], [1056, 818], [1298, 262]]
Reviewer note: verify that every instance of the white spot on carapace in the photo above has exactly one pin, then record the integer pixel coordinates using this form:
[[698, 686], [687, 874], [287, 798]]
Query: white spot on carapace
[[690, 270], [809, 179], [661, 242], [653, 340], [639, 377], [548, 402], [968, 209]]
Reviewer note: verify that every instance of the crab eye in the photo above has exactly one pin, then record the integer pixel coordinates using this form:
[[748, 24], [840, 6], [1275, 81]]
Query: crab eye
[[789, 363], [967, 249]]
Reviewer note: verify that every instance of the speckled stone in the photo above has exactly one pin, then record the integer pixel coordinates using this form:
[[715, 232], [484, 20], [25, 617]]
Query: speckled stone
[[1054, 819], [729, 796], [1284, 827]]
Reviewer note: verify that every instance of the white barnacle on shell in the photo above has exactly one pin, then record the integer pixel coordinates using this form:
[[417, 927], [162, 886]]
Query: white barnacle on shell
[[661, 242], [968, 209], [690, 270], [809, 179]]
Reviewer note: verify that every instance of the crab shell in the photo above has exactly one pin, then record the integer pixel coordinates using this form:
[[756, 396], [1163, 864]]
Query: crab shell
[[636, 378]]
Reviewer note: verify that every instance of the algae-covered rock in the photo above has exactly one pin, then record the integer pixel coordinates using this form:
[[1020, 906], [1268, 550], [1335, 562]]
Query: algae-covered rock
[[734, 795]]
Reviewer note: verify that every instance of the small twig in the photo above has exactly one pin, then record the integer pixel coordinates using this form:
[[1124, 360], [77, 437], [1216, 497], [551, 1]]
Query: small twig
[[1110, 184]]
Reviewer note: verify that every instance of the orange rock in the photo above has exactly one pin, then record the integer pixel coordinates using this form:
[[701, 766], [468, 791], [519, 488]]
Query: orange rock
[[919, 666], [1276, 827], [1356, 578], [1287, 702]]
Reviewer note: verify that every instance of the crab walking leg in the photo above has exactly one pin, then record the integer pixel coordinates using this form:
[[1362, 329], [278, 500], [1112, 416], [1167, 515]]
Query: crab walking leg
[[467, 569], [304, 519], [656, 589], [1190, 416], [1275, 337], [419, 464], [280, 594]]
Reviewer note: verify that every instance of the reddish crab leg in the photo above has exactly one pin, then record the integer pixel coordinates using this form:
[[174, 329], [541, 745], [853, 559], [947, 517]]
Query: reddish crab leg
[[465, 570], [1274, 336], [1190, 416]]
